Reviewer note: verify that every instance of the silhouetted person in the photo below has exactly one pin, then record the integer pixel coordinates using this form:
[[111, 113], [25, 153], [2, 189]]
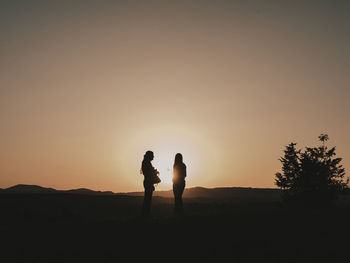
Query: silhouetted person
[[179, 174], [148, 172]]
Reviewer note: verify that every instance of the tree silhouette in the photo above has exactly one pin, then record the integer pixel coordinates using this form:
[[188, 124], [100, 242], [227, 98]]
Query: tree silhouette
[[314, 176]]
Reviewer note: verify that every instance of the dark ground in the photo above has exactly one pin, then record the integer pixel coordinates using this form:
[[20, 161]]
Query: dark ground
[[238, 227]]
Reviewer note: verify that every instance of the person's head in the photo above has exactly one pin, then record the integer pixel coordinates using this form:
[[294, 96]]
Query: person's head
[[148, 156], [178, 158]]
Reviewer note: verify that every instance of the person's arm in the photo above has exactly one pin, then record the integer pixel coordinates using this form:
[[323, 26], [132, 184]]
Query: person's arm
[[154, 170]]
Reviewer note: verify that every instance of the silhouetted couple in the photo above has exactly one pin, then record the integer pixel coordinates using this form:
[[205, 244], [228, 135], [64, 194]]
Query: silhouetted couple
[[151, 178]]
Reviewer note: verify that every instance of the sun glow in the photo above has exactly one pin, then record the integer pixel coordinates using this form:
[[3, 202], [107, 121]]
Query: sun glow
[[164, 164], [165, 142]]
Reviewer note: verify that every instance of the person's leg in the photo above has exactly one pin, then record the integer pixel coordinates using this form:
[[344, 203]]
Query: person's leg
[[144, 206], [181, 190], [176, 197], [150, 193], [147, 200]]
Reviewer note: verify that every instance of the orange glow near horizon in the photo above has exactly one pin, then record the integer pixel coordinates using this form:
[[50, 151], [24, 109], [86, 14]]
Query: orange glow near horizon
[[165, 141], [87, 89]]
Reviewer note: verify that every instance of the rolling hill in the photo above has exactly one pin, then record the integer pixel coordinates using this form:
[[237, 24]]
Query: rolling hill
[[32, 189], [194, 192]]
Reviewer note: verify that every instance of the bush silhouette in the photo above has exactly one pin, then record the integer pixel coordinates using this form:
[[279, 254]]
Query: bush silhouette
[[313, 177]]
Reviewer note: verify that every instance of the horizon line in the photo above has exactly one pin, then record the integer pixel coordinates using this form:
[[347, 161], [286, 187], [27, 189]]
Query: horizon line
[[126, 192]]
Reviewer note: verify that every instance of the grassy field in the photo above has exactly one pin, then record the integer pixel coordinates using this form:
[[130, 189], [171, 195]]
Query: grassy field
[[227, 224]]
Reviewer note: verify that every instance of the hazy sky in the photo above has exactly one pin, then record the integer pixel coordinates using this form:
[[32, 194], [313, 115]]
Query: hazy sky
[[88, 86]]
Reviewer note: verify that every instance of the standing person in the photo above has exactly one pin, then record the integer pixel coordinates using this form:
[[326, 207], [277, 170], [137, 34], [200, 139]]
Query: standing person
[[149, 173], [179, 174]]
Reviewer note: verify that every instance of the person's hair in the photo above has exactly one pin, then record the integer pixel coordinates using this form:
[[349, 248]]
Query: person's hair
[[148, 155], [178, 158]]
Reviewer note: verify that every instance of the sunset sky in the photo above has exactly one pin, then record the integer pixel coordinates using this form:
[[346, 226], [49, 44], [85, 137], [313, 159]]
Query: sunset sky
[[88, 86]]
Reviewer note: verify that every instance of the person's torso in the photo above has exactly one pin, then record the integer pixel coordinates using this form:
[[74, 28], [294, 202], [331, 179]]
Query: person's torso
[[147, 170], [179, 173]]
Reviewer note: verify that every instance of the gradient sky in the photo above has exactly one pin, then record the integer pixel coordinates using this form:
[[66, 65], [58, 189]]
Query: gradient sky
[[88, 86]]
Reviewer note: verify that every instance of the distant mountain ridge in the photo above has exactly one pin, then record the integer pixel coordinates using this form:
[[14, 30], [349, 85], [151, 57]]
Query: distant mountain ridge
[[25, 188], [194, 192]]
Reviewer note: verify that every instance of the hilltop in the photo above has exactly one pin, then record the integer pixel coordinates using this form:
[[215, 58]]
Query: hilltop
[[193, 192], [32, 189]]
